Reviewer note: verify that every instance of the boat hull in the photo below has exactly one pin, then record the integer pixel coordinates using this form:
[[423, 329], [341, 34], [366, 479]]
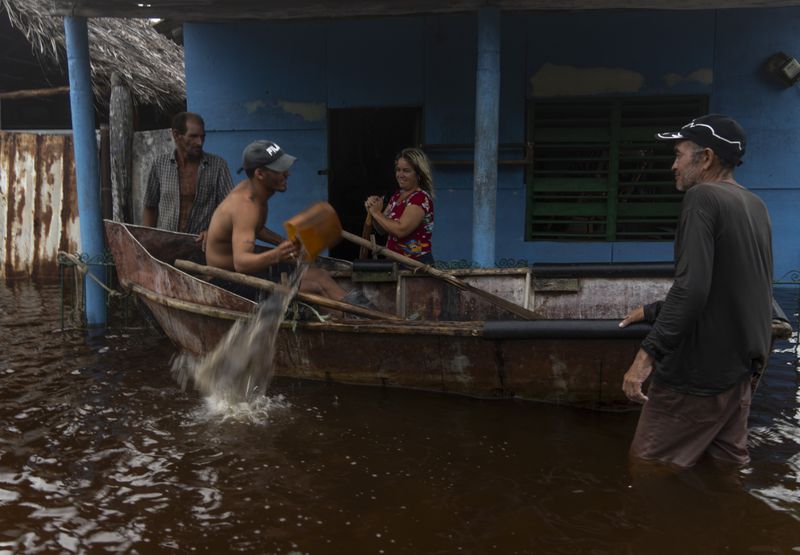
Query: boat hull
[[580, 371], [453, 343]]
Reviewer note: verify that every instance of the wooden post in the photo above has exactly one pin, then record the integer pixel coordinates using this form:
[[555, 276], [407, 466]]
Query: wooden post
[[121, 141], [33, 93], [106, 199], [30, 93]]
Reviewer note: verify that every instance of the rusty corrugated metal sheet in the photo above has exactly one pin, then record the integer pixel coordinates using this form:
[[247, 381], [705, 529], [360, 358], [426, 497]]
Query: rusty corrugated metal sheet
[[38, 203]]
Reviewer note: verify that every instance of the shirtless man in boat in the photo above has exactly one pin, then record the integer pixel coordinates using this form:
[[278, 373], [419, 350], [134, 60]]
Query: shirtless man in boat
[[239, 220]]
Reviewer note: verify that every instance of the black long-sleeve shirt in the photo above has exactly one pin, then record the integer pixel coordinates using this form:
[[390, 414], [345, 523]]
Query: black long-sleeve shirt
[[714, 326]]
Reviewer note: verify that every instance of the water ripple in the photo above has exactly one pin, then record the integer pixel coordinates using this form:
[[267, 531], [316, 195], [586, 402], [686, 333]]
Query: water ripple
[[100, 450]]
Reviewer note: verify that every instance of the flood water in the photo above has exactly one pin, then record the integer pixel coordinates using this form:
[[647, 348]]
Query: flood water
[[101, 450]]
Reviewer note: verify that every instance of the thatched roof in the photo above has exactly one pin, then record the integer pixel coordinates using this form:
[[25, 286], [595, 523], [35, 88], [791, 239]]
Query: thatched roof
[[149, 63]]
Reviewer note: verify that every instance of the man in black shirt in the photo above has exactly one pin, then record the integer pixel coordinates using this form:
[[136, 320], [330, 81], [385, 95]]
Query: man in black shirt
[[713, 329]]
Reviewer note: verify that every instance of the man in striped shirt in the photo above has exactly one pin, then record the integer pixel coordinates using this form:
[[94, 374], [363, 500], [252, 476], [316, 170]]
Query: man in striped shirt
[[186, 186]]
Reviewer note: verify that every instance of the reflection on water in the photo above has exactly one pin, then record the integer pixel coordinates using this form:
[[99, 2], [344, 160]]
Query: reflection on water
[[100, 449]]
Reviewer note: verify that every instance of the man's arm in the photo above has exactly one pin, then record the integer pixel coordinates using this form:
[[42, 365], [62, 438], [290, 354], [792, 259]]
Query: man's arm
[[268, 236], [636, 375], [224, 185], [152, 198], [674, 317], [224, 182], [150, 216], [243, 240], [694, 262]]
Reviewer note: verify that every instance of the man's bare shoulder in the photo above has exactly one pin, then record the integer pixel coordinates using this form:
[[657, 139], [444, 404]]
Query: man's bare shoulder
[[236, 207], [239, 199]]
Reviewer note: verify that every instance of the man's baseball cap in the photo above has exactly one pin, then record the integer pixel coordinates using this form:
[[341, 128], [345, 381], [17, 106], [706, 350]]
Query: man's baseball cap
[[721, 134], [265, 154]]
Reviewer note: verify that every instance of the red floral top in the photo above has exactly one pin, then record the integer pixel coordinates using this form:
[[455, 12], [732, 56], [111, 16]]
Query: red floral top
[[418, 242]]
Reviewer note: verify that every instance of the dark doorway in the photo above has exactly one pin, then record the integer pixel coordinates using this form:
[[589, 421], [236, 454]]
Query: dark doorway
[[363, 143]]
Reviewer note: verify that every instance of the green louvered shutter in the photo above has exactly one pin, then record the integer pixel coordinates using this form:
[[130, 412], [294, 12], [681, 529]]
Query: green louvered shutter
[[598, 174]]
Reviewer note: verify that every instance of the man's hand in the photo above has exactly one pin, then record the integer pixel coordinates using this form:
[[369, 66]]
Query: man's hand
[[201, 238], [635, 376], [150, 216], [635, 315], [287, 251]]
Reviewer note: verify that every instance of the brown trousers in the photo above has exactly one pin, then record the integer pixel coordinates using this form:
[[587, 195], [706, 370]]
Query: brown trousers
[[678, 428]]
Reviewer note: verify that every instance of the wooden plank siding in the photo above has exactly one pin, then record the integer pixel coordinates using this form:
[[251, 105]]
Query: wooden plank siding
[[38, 204]]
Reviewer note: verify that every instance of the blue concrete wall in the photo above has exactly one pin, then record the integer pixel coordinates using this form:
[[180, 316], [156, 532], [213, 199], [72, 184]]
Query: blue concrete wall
[[252, 81], [632, 63], [770, 114], [275, 80]]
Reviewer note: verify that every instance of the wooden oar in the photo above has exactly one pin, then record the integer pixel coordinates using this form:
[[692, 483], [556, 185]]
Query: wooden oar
[[267, 285], [365, 233], [452, 280]]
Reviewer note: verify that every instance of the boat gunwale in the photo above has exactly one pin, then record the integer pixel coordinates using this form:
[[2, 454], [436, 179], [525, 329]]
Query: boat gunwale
[[474, 328], [126, 282], [410, 327]]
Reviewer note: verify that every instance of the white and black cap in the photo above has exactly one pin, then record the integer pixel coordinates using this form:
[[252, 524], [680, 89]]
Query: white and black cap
[[265, 154], [722, 134]]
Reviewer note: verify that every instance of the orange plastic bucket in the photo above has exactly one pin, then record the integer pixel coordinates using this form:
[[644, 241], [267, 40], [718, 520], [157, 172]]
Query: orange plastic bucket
[[318, 228]]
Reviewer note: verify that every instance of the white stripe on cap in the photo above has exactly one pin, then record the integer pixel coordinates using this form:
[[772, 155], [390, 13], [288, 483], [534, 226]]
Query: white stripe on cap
[[669, 136], [713, 132]]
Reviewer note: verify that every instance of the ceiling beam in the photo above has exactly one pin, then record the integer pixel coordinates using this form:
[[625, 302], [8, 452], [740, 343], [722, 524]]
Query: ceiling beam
[[222, 10]]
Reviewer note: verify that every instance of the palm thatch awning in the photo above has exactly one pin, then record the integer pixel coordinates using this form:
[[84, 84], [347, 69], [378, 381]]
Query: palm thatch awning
[[148, 62], [219, 10]]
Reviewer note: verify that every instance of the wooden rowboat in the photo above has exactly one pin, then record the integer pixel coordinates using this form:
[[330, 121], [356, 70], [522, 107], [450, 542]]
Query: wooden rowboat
[[448, 340]]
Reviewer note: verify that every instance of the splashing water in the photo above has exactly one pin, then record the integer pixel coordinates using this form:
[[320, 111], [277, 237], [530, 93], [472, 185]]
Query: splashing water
[[236, 374], [260, 409]]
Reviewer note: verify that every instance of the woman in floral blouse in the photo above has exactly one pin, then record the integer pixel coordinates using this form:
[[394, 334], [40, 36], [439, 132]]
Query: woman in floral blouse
[[408, 217]]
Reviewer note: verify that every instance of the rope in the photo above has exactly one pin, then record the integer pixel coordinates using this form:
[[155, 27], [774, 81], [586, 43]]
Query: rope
[[83, 268]]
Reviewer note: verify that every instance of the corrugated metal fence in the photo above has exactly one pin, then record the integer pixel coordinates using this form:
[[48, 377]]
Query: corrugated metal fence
[[38, 203]]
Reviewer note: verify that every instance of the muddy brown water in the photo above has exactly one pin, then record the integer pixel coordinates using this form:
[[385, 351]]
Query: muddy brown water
[[100, 450]]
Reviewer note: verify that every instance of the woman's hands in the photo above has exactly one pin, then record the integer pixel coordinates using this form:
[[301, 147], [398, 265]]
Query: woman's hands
[[409, 221], [374, 205]]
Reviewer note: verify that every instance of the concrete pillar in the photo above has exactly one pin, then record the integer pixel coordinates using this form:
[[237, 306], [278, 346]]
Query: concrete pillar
[[487, 115], [86, 165]]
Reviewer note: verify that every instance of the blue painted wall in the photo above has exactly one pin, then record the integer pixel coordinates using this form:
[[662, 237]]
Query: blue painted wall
[[275, 80], [769, 114]]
